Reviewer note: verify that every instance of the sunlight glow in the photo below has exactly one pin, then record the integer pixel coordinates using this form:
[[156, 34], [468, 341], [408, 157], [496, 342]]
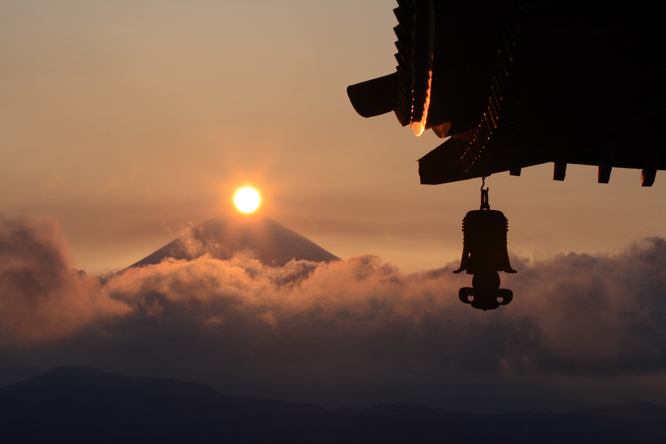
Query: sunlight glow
[[247, 199], [419, 127]]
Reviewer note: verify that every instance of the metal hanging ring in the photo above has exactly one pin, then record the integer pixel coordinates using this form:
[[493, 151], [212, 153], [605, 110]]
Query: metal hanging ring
[[484, 195]]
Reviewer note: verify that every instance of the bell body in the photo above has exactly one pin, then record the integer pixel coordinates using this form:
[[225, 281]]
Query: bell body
[[484, 254], [484, 243]]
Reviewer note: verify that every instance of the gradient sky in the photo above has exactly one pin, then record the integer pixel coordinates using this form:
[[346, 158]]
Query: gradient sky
[[127, 122]]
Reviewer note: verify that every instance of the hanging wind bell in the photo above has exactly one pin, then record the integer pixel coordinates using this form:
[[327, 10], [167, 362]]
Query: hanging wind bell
[[484, 254]]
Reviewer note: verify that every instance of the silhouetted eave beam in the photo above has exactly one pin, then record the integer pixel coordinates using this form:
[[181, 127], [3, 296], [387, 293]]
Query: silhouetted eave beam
[[559, 170], [604, 173], [374, 97], [647, 176]]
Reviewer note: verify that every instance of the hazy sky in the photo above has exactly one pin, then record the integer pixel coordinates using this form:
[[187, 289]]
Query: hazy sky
[[128, 121], [125, 122]]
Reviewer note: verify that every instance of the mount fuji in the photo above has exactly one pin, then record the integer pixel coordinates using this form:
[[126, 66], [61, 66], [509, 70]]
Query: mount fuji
[[271, 243]]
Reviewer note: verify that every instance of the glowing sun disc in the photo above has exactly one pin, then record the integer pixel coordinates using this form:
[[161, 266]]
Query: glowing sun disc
[[247, 199]]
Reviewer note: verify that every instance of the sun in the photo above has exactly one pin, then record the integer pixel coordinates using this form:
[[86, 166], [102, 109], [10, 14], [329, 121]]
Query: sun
[[247, 199]]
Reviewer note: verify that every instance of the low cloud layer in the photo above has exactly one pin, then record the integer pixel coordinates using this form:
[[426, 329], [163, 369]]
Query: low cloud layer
[[348, 332]]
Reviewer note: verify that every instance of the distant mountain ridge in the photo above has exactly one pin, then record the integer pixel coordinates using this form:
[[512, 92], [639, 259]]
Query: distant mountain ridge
[[270, 242], [81, 405]]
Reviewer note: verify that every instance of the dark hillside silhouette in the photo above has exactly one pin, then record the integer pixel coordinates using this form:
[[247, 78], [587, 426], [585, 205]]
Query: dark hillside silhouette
[[83, 405]]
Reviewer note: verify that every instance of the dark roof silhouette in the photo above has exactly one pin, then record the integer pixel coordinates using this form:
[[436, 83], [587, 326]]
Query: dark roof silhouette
[[270, 242], [517, 84]]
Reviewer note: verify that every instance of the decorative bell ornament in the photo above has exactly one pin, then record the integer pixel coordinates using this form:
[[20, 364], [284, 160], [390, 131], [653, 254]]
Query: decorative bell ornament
[[484, 254]]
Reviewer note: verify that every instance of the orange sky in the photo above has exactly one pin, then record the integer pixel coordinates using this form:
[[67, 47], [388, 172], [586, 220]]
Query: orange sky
[[128, 121]]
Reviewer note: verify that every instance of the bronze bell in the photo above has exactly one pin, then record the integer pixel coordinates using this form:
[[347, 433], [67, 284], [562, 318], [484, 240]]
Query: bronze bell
[[484, 254]]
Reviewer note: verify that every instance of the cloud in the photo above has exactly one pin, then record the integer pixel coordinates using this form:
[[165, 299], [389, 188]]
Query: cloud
[[43, 298], [572, 313], [329, 332], [597, 314]]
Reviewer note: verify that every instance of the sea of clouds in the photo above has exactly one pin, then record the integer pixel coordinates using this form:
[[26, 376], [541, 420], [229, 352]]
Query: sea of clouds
[[581, 329]]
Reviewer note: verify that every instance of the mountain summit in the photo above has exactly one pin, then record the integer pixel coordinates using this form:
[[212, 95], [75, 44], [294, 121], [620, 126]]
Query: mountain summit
[[270, 242]]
